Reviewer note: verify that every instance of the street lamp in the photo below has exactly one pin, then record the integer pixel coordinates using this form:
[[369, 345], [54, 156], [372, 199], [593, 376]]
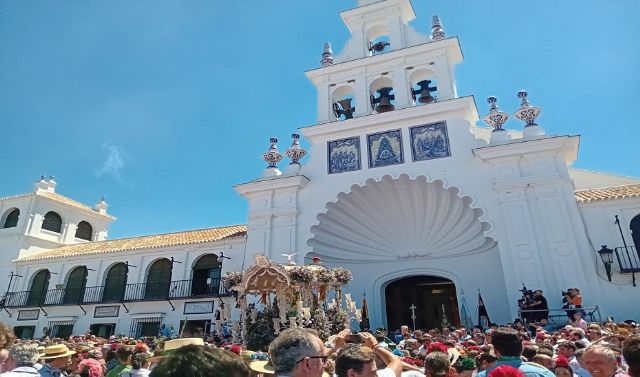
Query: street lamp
[[606, 255], [221, 258]]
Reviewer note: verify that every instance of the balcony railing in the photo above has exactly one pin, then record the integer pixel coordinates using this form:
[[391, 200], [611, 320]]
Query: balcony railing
[[628, 259], [150, 291]]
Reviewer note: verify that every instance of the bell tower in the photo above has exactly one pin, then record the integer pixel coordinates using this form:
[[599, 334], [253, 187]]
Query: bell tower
[[385, 65]]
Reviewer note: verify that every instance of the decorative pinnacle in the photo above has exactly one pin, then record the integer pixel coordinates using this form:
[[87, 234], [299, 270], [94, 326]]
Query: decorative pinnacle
[[295, 152], [327, 55], [272, 156], [526, 112], [495, 118], [437, 31]]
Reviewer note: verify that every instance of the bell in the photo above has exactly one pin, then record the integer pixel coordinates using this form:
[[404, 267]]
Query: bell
[[344, 108], [377, 47], [383, 101], [424, 92]]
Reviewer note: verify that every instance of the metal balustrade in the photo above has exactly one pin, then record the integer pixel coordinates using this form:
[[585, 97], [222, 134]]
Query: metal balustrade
[[149, 291], [628, 259]]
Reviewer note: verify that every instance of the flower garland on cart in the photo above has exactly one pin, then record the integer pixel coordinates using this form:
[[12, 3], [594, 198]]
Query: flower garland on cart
[[290, 295]]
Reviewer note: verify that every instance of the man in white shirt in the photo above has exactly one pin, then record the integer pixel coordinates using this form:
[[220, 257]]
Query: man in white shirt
[[23, 357]]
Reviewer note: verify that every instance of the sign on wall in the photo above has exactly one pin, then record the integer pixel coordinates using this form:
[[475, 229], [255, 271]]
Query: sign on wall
[[28, 315], [198, 307], [106, 311]]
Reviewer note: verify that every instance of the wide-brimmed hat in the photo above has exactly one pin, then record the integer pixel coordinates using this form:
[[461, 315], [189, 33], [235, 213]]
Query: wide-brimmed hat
[[454, 354], [181, 342], [262, 366], [55, 351], [265, 367], [246, 355]]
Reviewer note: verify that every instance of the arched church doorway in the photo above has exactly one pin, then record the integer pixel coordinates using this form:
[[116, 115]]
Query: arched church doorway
[[434, 299]]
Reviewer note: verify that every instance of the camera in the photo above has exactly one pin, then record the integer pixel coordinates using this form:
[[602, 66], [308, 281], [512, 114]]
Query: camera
[[354, 338]]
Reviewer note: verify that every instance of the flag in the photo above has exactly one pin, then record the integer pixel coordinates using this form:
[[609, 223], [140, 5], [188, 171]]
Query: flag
[[483, 316], [464, 315]]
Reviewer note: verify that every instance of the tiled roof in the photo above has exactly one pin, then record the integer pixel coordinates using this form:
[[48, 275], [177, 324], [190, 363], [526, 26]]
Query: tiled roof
[[55, 197], [608, 193], [144, 242]]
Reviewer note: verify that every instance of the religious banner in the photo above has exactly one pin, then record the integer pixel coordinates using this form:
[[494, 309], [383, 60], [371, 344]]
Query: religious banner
[[483, 315]]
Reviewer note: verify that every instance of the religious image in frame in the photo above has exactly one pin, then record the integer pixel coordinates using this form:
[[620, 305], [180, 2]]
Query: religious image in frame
[[429, 141], [343, 155], [385, 148]]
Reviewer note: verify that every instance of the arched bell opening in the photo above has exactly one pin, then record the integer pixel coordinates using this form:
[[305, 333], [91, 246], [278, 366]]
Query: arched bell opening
[[10, 218], [433, 299], [343, 102], [423, 87], [378, 38], [381, 95]]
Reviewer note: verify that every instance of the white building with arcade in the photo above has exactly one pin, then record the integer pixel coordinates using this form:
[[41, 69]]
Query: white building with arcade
[[404, 184]]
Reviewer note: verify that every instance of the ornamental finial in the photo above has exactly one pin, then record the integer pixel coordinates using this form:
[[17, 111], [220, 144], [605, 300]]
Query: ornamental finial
[[496, 119], [272, 157], [528, 114], [327, 55], [295, 152], [437, 31]]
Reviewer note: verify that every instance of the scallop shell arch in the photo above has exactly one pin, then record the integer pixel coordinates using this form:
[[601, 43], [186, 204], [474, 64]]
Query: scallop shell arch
[[399, 218]]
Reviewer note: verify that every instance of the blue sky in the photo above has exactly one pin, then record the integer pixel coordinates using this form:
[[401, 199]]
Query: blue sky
[[162, 106]]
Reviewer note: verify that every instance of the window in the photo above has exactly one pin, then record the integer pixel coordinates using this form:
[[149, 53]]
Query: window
[[158, 280], [24, 332], [76, 285], [39, 287], [206, 276], [145, 327], [53, 222], [12, 219], [60, 329], [84, 231], [115, 284]]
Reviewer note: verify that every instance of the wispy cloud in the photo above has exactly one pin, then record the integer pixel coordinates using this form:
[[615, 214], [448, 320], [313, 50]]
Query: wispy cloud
[[113, 163]]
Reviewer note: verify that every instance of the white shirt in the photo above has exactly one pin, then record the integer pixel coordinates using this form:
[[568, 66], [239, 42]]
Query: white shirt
[[22, 372]]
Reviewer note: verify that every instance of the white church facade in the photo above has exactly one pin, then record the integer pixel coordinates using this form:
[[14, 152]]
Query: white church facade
[[403, 185]]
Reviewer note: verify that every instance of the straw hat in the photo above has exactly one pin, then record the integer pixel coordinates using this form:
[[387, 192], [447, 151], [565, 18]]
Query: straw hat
[[265, 367], [454, 354], [181, 342], [262, 366], [246, 355], [55, 351]]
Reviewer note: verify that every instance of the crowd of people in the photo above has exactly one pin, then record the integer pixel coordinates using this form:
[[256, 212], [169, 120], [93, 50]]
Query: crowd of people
[[514, 350]]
